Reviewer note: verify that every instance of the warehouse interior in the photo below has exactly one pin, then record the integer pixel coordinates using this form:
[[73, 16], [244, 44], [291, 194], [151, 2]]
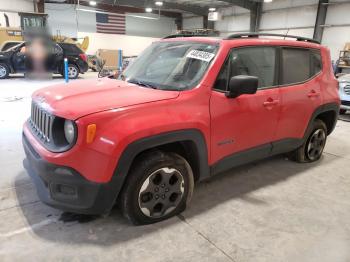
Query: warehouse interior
[[272, 209]]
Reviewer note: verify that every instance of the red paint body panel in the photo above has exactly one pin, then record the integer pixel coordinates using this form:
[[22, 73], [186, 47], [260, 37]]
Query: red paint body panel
[[125, 113]]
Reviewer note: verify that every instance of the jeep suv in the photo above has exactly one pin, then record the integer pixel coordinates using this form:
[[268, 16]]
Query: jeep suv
[[187, 108], [17, 60]]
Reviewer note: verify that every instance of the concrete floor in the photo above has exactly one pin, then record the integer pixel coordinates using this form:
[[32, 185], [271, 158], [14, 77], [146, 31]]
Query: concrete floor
[[273, 210]]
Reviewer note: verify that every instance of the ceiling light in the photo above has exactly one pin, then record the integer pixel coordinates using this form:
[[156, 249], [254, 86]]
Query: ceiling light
[[148, 9], [268, 1], [158, 3], [212, 9], [93, 3]]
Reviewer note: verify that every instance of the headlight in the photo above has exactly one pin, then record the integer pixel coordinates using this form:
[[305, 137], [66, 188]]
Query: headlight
[[69, 131]]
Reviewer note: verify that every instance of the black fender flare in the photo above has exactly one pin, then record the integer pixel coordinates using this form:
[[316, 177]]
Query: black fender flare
[[135, 148], [330, 107]]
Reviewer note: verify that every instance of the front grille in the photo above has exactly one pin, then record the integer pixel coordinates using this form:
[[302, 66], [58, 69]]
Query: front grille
[[41, 122], [345, 103], [347, 89]]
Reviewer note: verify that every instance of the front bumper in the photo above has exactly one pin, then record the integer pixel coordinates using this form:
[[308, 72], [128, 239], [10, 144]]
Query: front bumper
[[64, 188], [345, 105]]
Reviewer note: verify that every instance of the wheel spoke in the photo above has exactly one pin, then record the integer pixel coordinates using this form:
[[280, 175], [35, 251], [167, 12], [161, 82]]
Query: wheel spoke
[[163, 191], [316, 144]]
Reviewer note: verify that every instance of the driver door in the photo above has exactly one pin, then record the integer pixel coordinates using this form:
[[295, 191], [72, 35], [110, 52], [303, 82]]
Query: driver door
[[19, 58], [247, 123], [54, 60]]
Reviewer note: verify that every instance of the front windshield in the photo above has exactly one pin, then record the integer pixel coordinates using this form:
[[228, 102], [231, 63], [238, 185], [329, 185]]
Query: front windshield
[[171, 65]]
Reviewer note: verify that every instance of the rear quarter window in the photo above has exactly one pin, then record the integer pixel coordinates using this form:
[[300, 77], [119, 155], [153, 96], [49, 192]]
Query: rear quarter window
[[299, 65], [71, 49]]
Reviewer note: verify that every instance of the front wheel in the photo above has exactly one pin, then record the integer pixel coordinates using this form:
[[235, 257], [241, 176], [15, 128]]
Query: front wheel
[[312, 148], [4, 71], [159, 186]]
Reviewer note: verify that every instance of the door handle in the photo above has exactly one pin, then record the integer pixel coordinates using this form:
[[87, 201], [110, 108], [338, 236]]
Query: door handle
[[271, 102], [313, 93]]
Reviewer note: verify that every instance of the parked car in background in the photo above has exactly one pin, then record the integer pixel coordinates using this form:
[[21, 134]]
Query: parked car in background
[[344, 93], [186, 109], [17, 60]]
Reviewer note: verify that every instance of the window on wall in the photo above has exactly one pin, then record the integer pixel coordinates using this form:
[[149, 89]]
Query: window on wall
[[252, 61]]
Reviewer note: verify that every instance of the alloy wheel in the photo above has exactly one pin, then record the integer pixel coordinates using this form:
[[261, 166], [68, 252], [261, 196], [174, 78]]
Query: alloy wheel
[[72, 72], [161, 192], [2, 71], [316, 144]]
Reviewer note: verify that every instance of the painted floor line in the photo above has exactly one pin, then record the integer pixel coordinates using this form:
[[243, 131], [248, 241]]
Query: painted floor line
[[27, 228]]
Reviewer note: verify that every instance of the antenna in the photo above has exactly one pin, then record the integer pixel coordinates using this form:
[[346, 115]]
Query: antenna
[[286, 34]]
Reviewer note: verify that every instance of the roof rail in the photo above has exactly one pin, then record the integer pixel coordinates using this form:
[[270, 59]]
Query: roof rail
[[256, 35], [187, 35]]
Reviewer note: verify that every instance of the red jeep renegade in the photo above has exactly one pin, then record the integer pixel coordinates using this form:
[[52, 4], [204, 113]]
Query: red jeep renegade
[[186, 109]]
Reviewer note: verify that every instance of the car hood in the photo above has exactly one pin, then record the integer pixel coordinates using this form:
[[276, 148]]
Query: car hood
[[83, 97]]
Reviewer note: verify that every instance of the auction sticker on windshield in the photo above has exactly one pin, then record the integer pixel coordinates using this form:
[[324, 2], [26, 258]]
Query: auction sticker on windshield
[[201, 55]]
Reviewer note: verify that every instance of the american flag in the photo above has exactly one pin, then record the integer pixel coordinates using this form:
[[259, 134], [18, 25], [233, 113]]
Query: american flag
[[110, 23]]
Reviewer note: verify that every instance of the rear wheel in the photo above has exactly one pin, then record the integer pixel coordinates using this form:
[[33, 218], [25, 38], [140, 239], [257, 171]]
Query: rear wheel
[[342, 111], [312, 148], [4, 71], [73, 71], [159, 186]]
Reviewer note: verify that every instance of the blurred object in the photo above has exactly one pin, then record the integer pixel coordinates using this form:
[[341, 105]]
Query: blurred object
[[128, 61], [344, 93], [34, 25], [42, 56], [343, 62], [112, 58], [104, 71], [199, 31], [37, 58], [95, 63]]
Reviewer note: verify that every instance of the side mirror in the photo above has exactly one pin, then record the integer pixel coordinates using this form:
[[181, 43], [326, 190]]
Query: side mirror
[[242, 84]]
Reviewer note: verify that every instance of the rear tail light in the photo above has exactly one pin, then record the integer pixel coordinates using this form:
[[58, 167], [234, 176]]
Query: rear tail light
[[83, 57]]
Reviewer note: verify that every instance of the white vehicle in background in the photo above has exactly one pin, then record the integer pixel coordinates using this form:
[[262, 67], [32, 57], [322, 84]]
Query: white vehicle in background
[[344, 93]]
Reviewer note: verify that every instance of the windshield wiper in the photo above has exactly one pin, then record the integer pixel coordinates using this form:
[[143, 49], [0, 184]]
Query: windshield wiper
[[138, 82]]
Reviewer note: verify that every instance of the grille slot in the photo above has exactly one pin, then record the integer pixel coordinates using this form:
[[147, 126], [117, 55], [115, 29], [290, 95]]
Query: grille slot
[[41, 122], [347, 89]]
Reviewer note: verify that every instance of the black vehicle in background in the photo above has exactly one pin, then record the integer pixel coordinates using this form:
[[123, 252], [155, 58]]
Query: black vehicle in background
[[16, 60]]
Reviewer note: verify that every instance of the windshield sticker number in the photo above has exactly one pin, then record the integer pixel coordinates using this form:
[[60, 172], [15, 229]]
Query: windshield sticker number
[[201, 55]]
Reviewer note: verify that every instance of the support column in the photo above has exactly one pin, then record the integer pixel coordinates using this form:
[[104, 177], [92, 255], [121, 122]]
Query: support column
[[255, 17], [320, 19], [40, 6], [207, 24]]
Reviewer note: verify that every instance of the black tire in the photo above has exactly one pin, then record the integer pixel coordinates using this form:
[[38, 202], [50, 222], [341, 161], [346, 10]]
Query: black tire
[[342, 111], [169, 182], [4, 71], [73, 71], [314, 144]]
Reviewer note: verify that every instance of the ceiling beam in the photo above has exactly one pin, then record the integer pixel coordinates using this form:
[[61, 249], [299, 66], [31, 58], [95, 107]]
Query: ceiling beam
[[194, 9], [247, 4], [103, 5]]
